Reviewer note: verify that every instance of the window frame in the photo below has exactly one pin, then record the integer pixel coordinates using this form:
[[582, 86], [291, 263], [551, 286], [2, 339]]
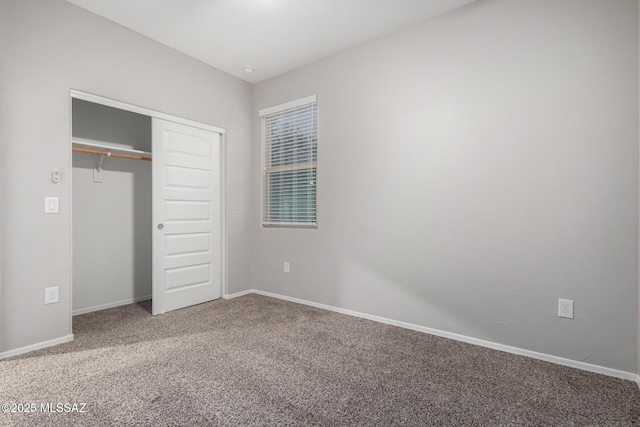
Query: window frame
[[264, 190]]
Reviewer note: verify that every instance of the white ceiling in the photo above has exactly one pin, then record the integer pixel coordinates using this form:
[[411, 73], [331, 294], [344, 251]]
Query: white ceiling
[[271, 36]]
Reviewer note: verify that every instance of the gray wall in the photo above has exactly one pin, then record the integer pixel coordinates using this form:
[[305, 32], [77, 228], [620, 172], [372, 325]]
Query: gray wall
[[46, 49], [472, 170]]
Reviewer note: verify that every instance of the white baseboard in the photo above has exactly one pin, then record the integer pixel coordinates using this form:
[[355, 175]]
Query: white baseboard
[[238, 294], [110, 305], [489, 344], [37, 346]]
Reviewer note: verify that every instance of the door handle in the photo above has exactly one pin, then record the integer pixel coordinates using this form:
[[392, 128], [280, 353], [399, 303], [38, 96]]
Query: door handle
[[160, 226]]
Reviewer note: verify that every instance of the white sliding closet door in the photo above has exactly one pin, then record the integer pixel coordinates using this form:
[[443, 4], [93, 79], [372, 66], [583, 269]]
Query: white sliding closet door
[[186, 216]]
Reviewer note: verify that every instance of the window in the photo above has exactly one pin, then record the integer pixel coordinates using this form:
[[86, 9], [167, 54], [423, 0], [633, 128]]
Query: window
[[290, 162]]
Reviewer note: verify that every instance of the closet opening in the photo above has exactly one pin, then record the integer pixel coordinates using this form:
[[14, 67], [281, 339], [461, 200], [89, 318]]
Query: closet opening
[[112, 207]]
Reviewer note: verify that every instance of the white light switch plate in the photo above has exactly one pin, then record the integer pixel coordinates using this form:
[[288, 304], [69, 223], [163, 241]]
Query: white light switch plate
[[51, 205]]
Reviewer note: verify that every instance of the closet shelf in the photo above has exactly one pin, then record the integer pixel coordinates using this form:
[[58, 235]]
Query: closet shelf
[[89, 146]]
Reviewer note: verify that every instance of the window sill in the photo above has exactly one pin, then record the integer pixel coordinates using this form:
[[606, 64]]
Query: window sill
[[304, 225]]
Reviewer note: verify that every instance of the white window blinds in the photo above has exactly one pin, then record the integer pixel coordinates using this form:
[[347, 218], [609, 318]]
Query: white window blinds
[[290, 163]]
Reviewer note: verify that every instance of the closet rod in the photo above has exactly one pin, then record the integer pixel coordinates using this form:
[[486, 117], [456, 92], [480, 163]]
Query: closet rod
[[110, 154]]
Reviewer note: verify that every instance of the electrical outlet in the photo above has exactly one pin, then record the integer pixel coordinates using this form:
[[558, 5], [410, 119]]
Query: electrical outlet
[[286, 267], [565, 308], [52, 295]]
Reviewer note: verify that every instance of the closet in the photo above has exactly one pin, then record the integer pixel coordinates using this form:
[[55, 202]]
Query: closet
[[147, 207]]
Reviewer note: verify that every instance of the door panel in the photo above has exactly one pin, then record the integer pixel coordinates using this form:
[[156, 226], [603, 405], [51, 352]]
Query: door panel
[[187, 217], [180, 177], [191, 276], [187, 244], [187, 210]]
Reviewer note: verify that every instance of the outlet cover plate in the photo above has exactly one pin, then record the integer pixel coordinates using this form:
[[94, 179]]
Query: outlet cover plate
[[565, 308]]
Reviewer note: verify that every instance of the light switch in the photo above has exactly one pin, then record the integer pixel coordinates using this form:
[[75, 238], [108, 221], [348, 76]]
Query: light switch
[[51, 205]]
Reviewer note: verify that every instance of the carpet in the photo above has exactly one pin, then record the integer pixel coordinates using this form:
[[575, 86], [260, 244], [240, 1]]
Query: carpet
[[256, 360]]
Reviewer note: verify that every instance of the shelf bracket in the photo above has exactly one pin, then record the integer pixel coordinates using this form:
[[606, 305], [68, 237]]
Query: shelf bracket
[[101, 162]]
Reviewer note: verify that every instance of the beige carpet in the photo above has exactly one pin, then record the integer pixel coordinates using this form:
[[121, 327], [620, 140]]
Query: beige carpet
[[259, 361]]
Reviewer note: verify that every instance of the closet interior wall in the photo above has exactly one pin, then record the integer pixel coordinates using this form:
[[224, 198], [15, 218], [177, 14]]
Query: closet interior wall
[[112, 212]]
